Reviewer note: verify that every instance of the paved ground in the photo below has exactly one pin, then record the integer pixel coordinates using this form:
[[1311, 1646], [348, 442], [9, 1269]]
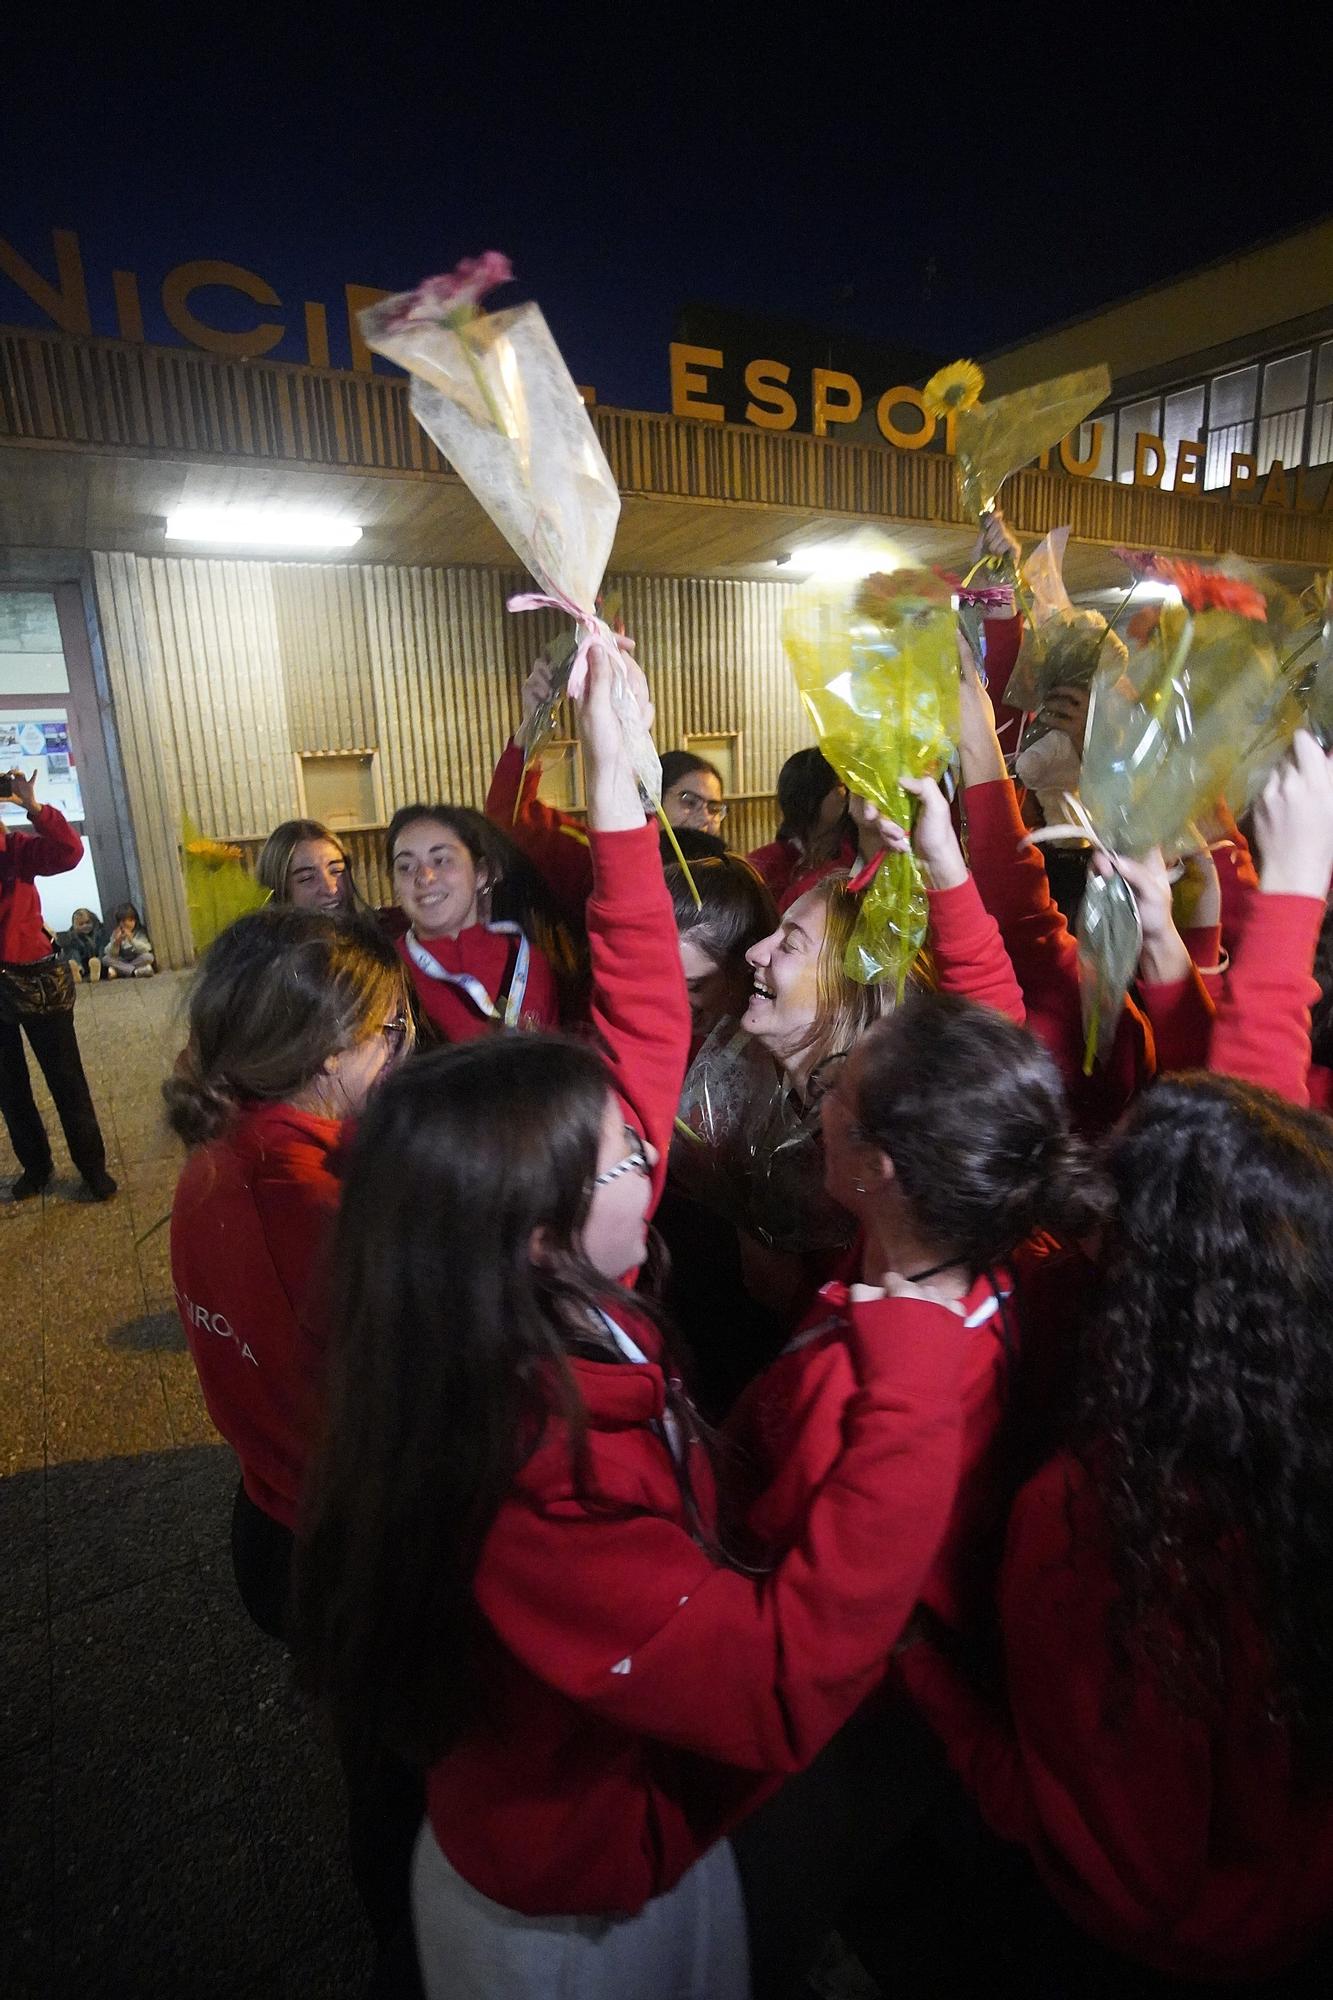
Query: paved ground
[[169, 1822]]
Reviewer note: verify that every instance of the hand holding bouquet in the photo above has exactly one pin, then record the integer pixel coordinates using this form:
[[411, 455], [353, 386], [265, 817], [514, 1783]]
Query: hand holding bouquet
[[876, 663]]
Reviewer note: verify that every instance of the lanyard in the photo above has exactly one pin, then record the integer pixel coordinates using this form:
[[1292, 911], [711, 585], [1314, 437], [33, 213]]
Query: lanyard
[[511, 995]]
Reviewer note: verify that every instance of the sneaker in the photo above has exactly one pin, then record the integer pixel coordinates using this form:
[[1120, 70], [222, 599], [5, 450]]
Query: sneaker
[[94, 969], [100, 1187], [27, 1185]]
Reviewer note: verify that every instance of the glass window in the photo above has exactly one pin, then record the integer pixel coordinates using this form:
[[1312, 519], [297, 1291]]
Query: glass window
[[1135, 417], [1286, 383], [1233, 398], [1182, 419], [32, 658]]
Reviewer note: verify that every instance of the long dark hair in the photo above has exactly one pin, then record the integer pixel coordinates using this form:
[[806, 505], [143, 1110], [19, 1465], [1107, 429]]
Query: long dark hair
[[1205, 1419], [971, 1110], [275, 995], [735, 908], [448, 1356], [516, 892], [804, 782]]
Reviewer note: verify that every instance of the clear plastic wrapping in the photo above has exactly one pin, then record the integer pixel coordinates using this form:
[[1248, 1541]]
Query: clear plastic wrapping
[[493, 392], [749, 1150], [876, 663]]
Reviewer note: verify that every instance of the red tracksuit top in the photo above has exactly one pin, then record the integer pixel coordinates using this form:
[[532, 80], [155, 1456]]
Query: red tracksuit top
[[52, 848], [1013, 886], [788, 873], [1184, 1845], [556, 843], [248, 1226], [639, 1696], [485, 955]]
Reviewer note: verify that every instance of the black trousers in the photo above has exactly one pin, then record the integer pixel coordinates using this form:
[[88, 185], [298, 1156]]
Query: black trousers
[[385, 1798], [56, 1047]]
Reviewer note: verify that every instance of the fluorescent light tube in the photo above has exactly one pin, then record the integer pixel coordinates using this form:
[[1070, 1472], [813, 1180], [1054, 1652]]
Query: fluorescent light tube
[[261, 528]]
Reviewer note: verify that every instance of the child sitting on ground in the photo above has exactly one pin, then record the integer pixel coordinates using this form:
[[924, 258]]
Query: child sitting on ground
[[83, 944], [129, 951]]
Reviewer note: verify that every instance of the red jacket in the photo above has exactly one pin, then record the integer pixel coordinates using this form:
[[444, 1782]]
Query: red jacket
[[788, 1423], [53, 848], [788, 873], [1187, 1846], [485, 955], [1258, 1025], [556, 843], [248, 1226], [613, 1754], [1012, 882]]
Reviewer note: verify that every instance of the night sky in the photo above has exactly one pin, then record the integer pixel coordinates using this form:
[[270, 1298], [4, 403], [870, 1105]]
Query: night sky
[[947, 188]]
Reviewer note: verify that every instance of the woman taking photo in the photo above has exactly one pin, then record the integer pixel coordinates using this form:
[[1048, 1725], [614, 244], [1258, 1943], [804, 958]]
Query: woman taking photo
[[37, 1000], [511, 1562], [294, 1018], [480, 941]]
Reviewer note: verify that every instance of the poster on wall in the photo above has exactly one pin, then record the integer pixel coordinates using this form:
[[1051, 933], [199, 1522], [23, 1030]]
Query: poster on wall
[[38, 740]]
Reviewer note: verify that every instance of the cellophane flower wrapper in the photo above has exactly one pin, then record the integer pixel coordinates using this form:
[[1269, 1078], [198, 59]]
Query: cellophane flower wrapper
[[746, 1148], [494, 394], [993, 439], [1165, 734], [218, 889], [1062, 644], [881, 685]]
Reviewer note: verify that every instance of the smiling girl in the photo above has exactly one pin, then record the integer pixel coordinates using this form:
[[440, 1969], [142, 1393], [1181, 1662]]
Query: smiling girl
[[471, 904]]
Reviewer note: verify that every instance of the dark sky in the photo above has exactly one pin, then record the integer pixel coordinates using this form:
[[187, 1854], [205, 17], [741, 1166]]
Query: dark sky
[[947, 185]]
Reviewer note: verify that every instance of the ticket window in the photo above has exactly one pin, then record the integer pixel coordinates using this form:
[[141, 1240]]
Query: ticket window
[[39, 732]]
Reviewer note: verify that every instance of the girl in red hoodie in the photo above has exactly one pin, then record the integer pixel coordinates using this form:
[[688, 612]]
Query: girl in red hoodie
[[294, 1017], [512, 1558], [1165, 1749], [473, 945]]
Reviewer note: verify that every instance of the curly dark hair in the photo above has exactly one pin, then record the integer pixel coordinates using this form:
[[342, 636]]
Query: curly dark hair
[[1205, 1412]]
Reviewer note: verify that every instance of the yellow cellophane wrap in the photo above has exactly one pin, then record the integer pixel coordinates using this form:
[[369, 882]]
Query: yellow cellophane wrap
[[995, 438], [217, 887], [876, 663]]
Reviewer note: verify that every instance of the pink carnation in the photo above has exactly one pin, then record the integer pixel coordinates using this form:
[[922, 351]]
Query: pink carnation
[[990, 596], [440, 298], [1144, 564]]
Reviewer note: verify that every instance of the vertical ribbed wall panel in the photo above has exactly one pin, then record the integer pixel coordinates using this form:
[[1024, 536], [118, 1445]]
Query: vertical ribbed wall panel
[[222, 669], [143, 699], [713, 652], [216, 634], [325, 647], [447, 663]]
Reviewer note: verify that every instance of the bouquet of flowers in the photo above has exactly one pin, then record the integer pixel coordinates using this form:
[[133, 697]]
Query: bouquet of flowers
[[876, 664], [1166, 731], [493, 392], [218, 889], [993, 439]]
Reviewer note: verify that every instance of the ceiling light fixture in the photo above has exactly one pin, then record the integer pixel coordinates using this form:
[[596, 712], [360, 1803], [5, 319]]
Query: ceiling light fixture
[[261, 528]]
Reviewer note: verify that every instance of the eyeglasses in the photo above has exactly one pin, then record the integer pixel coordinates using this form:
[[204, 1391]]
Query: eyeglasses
[[396, 1034], [692, 802], [637, 1157]]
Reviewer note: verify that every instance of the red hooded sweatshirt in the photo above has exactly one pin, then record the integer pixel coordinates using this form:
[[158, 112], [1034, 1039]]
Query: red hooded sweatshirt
[[1186, 1844], [53, 848], [614, 1751], [248, 1225]]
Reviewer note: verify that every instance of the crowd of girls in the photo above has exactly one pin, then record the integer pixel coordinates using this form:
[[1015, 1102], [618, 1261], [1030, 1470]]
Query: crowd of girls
[[970, 1465]]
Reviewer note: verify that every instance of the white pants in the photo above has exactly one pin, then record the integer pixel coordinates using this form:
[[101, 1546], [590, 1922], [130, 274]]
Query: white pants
[[689, 1944]]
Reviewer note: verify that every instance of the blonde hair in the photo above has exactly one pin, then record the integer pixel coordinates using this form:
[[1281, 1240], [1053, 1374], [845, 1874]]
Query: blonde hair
[[844, 1007]]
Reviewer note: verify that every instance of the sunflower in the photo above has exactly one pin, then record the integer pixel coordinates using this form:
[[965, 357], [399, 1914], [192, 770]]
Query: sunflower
[[956, 387]]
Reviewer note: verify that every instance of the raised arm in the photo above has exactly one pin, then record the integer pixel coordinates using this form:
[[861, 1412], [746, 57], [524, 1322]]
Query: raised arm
[[640, 1009], [1262, 1029], [556, 843], [970, 958], [652, 1633], [53, 847]]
